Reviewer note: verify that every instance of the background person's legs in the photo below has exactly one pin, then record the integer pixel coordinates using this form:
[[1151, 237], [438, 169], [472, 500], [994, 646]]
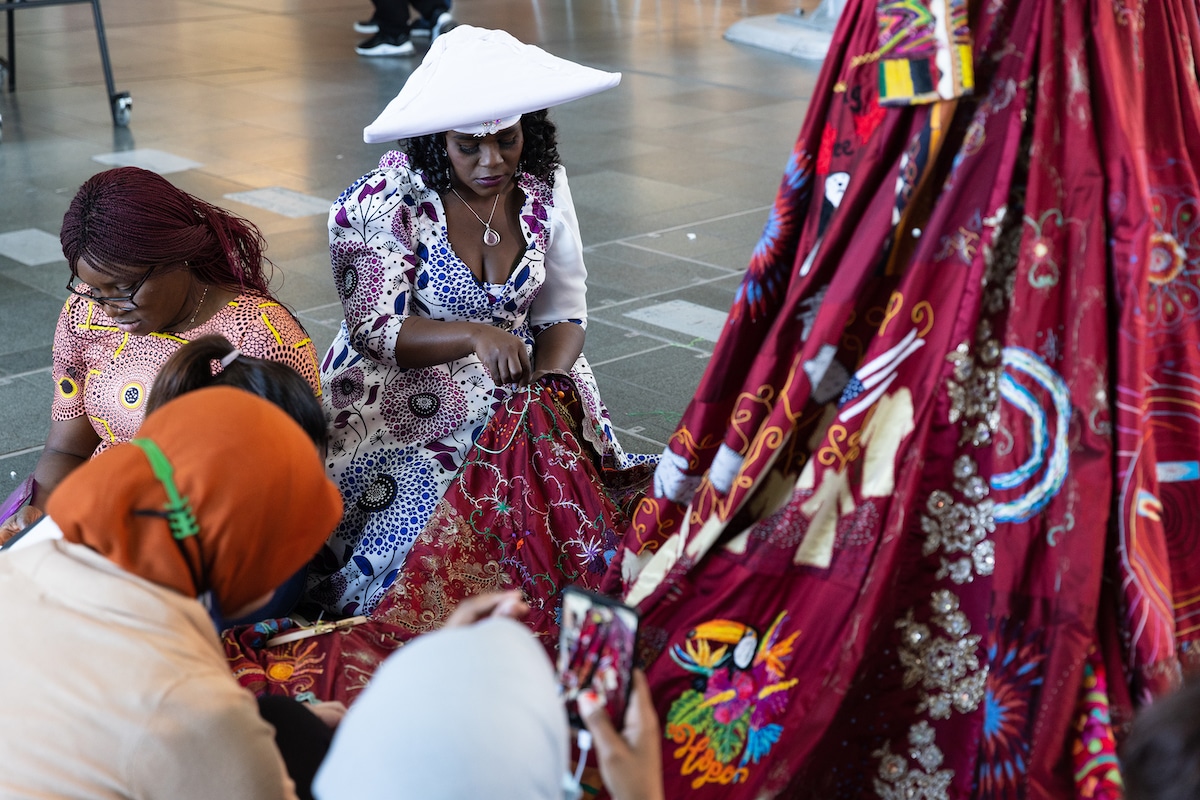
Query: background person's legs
[[432, 17], [391, 38], [368, 25]]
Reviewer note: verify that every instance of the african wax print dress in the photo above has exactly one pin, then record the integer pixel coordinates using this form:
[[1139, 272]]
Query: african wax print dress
[[398, 436], [927, 528], [107, 374]]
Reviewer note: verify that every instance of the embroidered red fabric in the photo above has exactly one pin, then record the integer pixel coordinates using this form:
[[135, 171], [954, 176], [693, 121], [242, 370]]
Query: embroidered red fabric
[[533, 508], [957, 391]]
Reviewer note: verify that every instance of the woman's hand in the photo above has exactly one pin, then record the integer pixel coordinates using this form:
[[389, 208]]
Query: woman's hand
[[630, 761], [503, 354], [19, 522], [329, 711], [493, 604]]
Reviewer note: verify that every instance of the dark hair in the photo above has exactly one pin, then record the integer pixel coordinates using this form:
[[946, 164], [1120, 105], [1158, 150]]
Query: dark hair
[[539, 155], [197, 364], [1161, 758], [127, 220]]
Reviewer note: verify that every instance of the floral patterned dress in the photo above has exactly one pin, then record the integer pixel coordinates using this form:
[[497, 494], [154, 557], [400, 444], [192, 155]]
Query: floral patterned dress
[[398, 436]]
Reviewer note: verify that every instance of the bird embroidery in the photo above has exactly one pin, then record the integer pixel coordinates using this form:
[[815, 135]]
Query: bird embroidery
[[726, 721]]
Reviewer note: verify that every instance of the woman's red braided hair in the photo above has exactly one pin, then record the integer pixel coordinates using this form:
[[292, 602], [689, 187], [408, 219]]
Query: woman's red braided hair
[[127, 220]]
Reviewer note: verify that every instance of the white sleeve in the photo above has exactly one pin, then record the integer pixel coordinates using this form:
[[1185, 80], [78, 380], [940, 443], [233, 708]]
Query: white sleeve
[[563, 297]]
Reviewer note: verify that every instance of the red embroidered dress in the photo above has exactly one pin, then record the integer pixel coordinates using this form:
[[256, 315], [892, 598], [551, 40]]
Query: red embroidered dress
[[958, 387], [535, 507]]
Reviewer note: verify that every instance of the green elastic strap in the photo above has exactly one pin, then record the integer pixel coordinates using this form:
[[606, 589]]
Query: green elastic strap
[[179, 514]]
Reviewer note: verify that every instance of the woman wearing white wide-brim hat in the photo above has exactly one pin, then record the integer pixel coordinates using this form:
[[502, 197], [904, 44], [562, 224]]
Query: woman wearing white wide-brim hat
[[460, 268]]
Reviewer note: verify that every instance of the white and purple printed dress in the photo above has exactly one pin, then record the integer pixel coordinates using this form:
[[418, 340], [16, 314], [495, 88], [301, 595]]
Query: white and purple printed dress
[[398, 436]]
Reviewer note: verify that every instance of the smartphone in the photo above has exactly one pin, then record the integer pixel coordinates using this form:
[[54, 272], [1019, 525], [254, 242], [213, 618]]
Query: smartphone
[[596, 646], [41, 530]]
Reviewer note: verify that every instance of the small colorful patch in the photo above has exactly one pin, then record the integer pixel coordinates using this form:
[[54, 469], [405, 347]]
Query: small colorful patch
[[132, 395], [924, 51], [727, 722], [1094, 751]]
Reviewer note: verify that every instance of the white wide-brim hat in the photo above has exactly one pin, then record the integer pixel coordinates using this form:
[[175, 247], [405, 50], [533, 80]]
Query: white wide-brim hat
[[475, 75]]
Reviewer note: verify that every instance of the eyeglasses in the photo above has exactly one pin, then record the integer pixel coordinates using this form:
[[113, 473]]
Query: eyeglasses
[[123, 302]]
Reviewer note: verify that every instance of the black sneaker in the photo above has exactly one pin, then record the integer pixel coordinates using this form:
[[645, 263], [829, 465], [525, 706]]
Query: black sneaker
[[370, 26], [383, 45], [442, 22], [433, 27], [420, 28]]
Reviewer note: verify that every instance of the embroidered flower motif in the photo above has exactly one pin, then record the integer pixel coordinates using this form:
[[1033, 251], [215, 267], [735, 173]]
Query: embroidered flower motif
[[499, 500], [295, 667], [943, 663], [1013, 686], [563, 456], [730, 694], [1173, 271], [896, 781], [964, 243], [1049, 244]]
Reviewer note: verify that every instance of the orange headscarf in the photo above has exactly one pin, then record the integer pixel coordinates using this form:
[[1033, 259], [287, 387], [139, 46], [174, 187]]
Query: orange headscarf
[[254, 481]]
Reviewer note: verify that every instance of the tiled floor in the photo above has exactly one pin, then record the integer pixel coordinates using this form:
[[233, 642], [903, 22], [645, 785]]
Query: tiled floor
[[258, 105]]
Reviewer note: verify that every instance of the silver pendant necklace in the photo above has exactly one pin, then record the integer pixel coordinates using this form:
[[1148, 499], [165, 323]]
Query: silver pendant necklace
[[490, 237]]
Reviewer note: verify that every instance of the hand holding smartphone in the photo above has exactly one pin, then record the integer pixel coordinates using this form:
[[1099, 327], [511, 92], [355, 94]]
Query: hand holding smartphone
[[596, 647]]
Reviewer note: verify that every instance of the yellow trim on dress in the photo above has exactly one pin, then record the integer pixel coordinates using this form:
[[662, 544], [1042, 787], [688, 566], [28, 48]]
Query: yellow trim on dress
[[87, 323], [111, 436], [88, 378], [170, 336], [271, 328]]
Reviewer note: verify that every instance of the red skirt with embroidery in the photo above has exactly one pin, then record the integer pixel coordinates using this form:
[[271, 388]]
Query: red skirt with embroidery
[[534, 507]]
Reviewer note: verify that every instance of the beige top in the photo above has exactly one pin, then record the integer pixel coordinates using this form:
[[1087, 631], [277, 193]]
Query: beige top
[[114, 687]]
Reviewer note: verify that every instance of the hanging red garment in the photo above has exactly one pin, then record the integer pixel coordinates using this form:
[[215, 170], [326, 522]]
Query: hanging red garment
[[958, 387], [534, 507]]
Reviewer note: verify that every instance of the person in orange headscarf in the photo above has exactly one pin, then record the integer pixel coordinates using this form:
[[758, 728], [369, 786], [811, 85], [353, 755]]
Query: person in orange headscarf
[[113, 675]]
